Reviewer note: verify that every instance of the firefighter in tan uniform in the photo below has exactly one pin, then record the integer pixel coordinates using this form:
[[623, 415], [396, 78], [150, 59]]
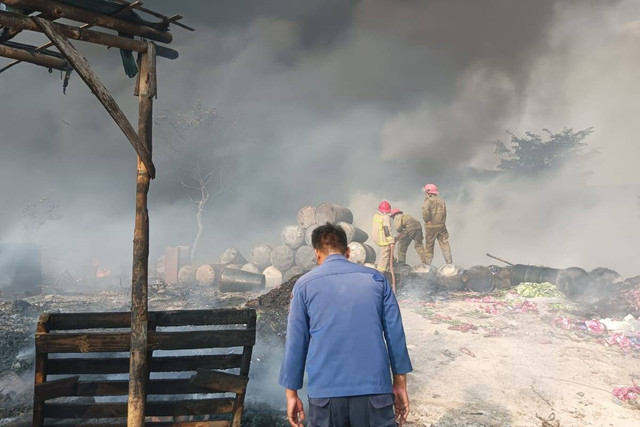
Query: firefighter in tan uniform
[[434, 213], [382, 235], [410, 230]]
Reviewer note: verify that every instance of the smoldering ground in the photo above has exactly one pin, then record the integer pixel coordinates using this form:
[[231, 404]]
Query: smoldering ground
[[349, 102]]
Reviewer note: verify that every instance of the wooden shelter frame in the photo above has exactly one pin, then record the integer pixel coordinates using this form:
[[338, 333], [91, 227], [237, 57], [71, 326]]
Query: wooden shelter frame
[[40, 17]]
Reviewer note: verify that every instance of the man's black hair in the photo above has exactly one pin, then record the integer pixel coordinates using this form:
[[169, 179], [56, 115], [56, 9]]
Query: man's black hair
[[329, 238]]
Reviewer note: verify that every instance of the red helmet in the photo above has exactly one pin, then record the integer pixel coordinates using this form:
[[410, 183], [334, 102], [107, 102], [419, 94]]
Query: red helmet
[[384, 207], [395, 212], [431, 189]]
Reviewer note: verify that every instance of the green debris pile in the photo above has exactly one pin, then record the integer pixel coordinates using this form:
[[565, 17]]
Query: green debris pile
[[536, 290]]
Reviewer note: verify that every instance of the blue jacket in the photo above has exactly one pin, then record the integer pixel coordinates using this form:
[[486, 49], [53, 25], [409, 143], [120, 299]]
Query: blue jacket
[[344, 322]]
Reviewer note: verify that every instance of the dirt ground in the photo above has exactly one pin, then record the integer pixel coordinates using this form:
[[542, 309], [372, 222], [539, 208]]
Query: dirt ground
[[513, 369], [498, 360]]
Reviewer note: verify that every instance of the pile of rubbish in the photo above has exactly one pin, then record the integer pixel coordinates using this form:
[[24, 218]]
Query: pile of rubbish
[[273, 309], [271, 265]]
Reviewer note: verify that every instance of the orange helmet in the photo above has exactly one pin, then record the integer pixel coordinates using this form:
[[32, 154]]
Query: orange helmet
[[384, 207], [431, 189]]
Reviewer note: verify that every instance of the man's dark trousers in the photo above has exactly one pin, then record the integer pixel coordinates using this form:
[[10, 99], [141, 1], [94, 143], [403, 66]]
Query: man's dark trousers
[[354, 411]]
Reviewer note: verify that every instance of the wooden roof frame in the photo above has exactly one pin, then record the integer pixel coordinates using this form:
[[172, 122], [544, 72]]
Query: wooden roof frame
[[141, 139]]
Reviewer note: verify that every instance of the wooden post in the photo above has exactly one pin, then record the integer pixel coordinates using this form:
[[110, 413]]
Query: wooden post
[[138, 367], [40, 370]]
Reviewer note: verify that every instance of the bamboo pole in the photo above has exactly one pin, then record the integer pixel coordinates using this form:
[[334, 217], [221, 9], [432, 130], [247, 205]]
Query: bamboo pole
[[21, 22], [42, 59], [138, 367], [57, 10]]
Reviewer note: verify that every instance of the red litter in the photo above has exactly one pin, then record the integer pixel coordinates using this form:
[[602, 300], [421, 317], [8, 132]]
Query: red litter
[[627, 393]]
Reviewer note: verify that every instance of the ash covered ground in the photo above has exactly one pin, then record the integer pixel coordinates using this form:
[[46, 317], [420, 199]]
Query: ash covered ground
[[497, 359]]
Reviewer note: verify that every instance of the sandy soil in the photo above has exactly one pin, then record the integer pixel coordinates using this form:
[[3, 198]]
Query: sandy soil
[[498, 366], [515, 369]]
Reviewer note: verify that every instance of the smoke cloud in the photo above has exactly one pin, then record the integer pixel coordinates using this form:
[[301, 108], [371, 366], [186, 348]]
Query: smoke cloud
[[343, 101]]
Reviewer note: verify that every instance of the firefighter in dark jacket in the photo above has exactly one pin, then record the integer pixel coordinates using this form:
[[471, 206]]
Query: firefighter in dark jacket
[[410, 230], [434, 213]]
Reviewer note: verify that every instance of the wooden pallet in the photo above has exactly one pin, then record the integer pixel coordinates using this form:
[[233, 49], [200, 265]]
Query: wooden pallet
[[198, 360]]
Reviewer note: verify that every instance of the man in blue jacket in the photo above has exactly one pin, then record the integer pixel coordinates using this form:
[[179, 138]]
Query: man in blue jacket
[[345, 326]]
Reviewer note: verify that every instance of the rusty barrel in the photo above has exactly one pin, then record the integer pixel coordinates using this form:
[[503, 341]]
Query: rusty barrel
[[232, 256], [306, 258], [478, 279], [361, 253], [232, 280], [306, 216], [354, 234], [292, 236], [261, 256], [329, 212], [533, 274], [282, 257], [450, 276]]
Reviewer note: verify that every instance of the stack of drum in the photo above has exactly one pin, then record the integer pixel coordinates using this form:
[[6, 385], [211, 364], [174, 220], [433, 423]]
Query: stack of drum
[[294, 255]]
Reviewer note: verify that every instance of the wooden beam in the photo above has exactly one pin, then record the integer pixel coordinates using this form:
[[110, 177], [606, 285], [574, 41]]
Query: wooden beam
[[139, 361], [220, 381], [159, 15], [54, 389], [41, 59], [120, 365], [159, 409], [22, 22], [59, 10], [99, 90], [122, 319]]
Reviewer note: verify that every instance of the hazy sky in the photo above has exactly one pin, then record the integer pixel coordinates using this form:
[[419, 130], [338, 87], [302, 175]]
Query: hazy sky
[[351, 102]]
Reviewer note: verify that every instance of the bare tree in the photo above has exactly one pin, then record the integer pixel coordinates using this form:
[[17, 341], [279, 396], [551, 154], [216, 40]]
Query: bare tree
[[202, 181]]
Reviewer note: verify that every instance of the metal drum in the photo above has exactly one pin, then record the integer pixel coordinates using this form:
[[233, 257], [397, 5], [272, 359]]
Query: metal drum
[[361, 253], [292, 236], [478, 279], [273, 277], [282, 257], [450, 277], [306, 258], [306, 216], [354, 234], [251, 268], [261, 256], [573, 282], [232, 256], [206, 275], [427, 276], [232, 280], [187, 275], [532, 274], [307, 234], [329, 212]]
